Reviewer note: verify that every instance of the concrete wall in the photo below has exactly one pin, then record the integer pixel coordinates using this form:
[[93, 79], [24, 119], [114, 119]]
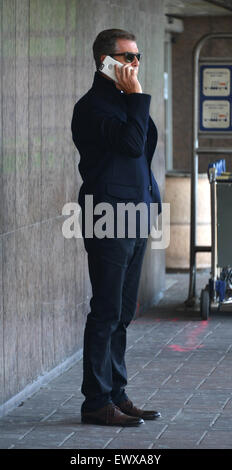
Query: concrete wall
[[182, 60], [46, 65]]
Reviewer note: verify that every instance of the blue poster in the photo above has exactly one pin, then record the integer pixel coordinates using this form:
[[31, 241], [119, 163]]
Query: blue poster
[[215, 98]]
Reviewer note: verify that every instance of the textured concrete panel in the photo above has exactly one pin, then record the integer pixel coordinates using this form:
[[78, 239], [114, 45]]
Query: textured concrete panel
[[21, 117], [1, 330], [10, 320], [1, 133], [8, 72], [28, 275]]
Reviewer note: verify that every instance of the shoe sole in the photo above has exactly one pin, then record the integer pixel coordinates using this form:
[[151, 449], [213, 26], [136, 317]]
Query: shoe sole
[[93, 421], [146, 418], [151, 417]]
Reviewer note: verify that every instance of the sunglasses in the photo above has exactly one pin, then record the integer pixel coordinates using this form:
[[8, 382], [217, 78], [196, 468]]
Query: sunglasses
[[129, 56]]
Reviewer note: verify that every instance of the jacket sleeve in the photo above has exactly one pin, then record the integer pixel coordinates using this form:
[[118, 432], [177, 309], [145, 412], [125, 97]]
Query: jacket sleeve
[[127, 137]]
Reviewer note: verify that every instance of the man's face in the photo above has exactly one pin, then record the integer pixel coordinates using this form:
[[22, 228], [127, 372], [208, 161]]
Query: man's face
[[125, 45]]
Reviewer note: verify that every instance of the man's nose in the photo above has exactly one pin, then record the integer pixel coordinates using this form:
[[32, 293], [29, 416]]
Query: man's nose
[[135, 62]]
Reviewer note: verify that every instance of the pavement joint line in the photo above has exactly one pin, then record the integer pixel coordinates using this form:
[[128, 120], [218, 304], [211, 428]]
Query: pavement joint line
[[141, 337], [108, 442], [188, 398], [206, 336], [180, 331], [12, 446], [134, 375], [165, 344], [203, 339], [183, 328], [178, 412], [148, 362], [177, 333], [153, 394], [201, 383], [157, 354], [169, 341], [211, 371], [190, 355], [221, 359], [224, 405], [154, 327], [118, 430], [200, 344], [162, 431], [134, 343], [215, 419], [178, 367], [166, 380], [153, 446], [229, 348], [34, 427], [138, 339], [27, 432], [201, 438], [48, 416], [66, 438], [217, 325], [67, 399]]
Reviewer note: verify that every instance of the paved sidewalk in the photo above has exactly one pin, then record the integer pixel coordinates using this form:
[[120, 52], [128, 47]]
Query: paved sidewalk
[[176, 364]]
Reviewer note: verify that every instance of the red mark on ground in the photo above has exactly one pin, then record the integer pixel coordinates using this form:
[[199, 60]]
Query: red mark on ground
[[177, 347], [192, 339]]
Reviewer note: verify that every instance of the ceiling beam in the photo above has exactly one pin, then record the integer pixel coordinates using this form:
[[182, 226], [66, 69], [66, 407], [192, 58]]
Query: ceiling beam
[[227, 4]]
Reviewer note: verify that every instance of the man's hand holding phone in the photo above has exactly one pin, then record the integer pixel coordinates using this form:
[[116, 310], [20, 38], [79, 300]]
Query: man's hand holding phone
[[127, 79]]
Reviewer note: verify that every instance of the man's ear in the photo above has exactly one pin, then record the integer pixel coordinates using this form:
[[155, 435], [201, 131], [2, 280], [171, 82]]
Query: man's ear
[[102, 57]]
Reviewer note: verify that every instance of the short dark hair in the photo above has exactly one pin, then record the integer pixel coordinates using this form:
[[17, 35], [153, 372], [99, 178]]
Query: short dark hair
[[105, 42]]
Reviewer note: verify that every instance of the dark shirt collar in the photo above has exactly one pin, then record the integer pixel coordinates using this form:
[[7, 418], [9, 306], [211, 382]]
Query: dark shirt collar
[[103, 83]]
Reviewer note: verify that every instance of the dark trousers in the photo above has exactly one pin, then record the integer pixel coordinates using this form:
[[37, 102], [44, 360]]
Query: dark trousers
[[114, 268]]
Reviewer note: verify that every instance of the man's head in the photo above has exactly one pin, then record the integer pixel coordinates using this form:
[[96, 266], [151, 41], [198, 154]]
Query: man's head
[[115, 41]]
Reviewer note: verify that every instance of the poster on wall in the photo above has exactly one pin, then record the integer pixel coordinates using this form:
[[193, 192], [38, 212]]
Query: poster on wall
[[216, 114], [216, 81], [215, 98]]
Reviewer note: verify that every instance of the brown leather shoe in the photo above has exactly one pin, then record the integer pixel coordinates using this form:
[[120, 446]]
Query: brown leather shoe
[[110, 415], [128, 408]]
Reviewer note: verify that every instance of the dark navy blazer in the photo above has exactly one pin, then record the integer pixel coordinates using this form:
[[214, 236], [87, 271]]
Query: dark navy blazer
[[116, 139]]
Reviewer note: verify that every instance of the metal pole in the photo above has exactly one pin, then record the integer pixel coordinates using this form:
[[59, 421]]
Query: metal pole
[[194, 171], [194, 181], [213, 185]]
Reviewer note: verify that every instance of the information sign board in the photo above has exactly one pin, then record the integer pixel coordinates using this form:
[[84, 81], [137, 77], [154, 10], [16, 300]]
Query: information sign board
[[215, 98]]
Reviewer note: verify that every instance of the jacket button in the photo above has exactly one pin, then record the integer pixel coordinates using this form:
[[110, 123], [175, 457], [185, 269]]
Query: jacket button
[[150, 188]]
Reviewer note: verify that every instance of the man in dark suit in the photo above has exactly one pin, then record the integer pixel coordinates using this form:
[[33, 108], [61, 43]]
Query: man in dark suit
[[116, 139]]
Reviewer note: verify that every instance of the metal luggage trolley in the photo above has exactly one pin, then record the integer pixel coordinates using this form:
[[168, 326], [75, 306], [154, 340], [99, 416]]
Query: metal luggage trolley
[[212, 119], [218, 291]]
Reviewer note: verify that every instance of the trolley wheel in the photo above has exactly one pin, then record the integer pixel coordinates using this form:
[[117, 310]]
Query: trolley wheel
[[205, 304]]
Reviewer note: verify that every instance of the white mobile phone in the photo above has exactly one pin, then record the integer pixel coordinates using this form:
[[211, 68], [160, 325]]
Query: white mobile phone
[[107, 67]]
